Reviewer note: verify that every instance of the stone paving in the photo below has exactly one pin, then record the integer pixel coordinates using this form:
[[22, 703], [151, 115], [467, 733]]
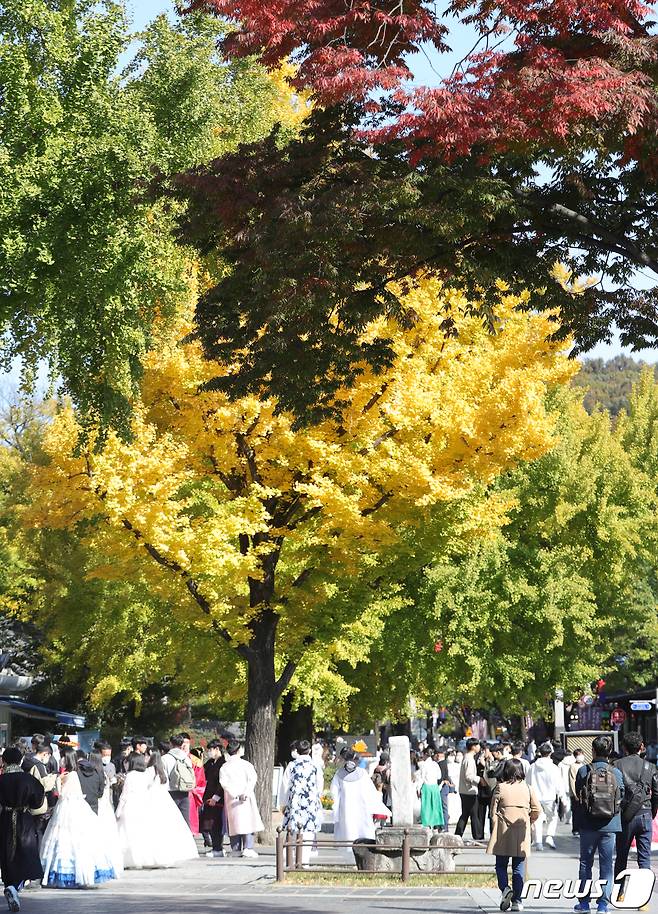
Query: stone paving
[[229, 886]]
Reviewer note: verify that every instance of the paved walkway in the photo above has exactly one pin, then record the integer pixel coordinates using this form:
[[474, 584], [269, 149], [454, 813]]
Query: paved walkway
[[234, 886]]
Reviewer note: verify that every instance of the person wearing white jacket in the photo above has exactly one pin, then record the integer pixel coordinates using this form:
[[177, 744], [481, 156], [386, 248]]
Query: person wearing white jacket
[[544, 776], [564, 768], [238, 779]]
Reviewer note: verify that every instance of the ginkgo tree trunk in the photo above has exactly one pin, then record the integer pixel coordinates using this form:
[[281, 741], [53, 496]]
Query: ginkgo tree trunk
[[254, 530]]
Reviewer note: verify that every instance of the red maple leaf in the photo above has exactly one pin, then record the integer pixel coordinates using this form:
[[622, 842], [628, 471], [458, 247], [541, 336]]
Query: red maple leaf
[[567, 67]]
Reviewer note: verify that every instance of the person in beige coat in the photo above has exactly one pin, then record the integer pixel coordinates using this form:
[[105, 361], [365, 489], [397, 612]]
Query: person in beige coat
[[514, 807]]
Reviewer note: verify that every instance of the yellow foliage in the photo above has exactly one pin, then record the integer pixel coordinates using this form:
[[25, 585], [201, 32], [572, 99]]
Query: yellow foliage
[[288, 108], [225, 508], [565, 277]]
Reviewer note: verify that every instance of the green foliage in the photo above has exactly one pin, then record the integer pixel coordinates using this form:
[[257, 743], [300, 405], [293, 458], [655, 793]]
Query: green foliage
[[608, 382], [87, 260], [566, 593], [115, 637]]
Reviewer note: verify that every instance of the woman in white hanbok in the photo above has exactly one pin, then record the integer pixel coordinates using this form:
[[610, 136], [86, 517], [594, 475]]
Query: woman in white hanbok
[[73, 853], [152, 832], [356, 801], [107, 817], [175, 838], [136, 834]]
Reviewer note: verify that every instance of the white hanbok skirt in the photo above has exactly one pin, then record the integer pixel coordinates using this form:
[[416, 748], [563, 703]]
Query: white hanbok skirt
[[73, 851], [110, 831], [152, 831]]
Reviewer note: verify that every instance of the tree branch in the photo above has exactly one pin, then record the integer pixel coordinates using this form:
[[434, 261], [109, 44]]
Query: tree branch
[[391, 433], [246, 450], [283, 681], [307, 515], [304, 576], [378, 504], [190, 583], [590, 230], [620, 245]]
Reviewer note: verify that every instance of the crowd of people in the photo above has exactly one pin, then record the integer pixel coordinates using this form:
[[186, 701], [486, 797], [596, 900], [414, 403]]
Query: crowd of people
[[70, 819], [521, 793], [514, 795]]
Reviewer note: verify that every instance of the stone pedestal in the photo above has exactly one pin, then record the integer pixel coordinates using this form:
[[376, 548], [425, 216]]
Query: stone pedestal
[[393, 836], [431, 853], [402, 788]]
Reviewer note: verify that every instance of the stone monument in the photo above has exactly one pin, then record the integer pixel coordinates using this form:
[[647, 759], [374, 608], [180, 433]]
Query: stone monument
[[402, 788], [429, 852]]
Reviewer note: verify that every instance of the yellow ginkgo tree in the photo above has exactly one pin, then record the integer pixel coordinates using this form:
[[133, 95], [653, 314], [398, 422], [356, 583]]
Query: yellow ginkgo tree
[[259, 525]]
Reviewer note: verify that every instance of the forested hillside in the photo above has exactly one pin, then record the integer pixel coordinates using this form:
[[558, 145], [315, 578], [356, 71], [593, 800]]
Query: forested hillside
[[608, 381]]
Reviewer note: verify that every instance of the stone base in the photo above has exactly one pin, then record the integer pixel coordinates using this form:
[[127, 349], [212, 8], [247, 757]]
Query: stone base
[[393, 835], [431, 853]]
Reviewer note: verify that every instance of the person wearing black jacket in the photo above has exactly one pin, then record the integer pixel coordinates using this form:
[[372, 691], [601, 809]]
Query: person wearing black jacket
[[483, 761], [21, 798], [640, 803], [445, 784], [36, 763], [92, 780], [122, 761], [213, 800], [492, 775]]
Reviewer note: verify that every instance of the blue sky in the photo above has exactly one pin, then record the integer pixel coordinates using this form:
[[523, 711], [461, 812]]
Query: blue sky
[[144, 10]]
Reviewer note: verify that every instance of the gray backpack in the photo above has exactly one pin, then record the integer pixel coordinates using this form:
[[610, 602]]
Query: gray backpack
[[181, 777], [601, 793]]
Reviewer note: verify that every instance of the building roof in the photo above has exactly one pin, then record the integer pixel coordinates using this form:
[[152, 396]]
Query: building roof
[[24, 709]]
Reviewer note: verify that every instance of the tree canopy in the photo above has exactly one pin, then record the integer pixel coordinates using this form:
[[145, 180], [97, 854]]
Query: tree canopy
[[254, 531], [544, 579], [89, 112], [539, 73], [539, 147], [562, 593]]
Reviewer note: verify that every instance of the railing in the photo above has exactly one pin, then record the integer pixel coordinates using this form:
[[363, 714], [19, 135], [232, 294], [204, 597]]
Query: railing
[[290, 846]]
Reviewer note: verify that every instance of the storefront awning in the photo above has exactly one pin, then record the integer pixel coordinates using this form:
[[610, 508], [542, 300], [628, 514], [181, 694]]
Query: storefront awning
[[38, 712], [631, 696]]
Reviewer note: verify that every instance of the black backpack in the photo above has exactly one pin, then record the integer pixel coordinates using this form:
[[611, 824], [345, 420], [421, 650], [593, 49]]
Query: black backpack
[[636, 793], [601, 793]]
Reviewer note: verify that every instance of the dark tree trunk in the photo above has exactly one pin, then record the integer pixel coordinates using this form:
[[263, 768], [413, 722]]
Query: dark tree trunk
[[261, 729], [263, 687], [293, 725], [263, 693]]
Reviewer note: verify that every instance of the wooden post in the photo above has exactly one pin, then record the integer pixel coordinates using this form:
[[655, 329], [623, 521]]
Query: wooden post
[[405, 855], [299, 847], [280, 862], [290, 851]]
